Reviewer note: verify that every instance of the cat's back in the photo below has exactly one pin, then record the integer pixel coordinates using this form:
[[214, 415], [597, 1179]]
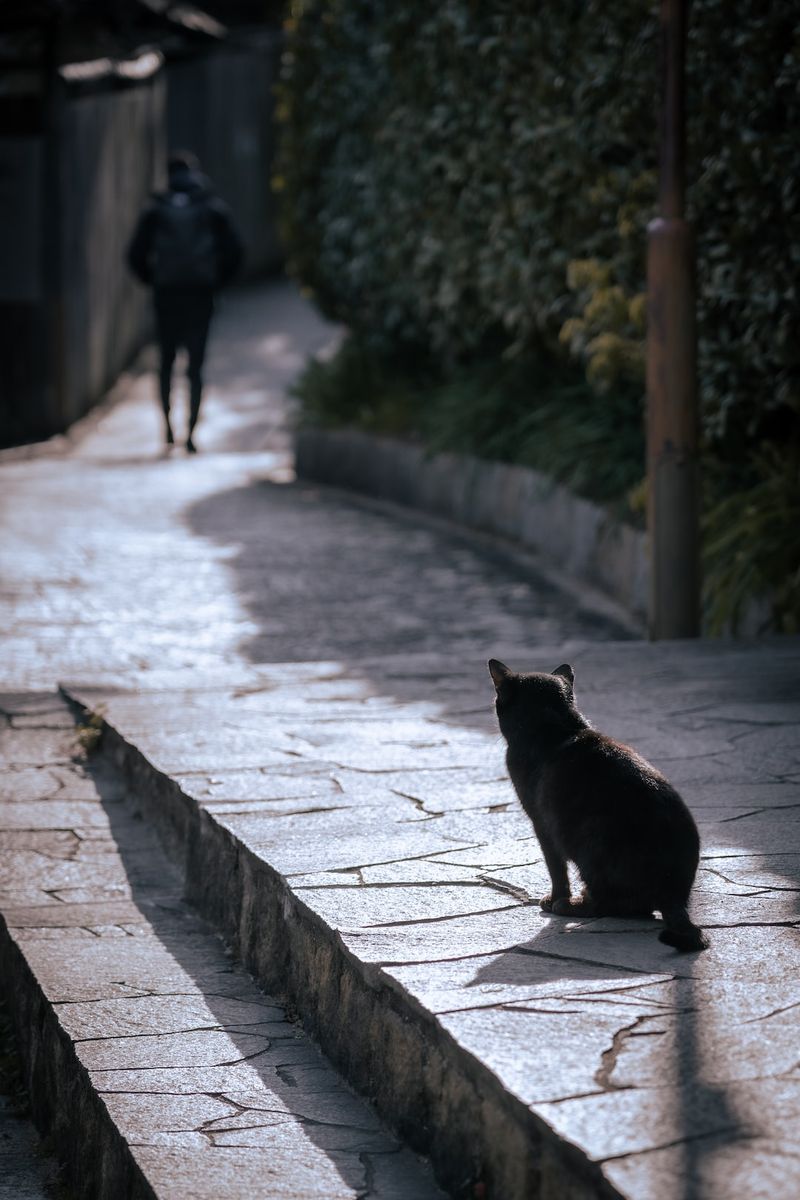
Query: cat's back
[[602, 757], [593, 773]]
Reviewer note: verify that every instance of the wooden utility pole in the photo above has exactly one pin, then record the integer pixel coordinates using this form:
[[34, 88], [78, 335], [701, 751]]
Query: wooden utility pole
[[672, 422]]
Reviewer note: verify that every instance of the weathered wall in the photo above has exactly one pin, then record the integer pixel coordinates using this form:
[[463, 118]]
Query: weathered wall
[[22, 325], [113, 149], [221, 107]]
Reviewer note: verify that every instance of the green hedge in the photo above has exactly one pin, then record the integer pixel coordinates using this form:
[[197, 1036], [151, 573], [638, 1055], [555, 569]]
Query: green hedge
[[466, 180], [443, 166]]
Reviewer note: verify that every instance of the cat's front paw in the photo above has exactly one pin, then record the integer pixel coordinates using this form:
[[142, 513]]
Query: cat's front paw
[[546, 904], [580, 906]]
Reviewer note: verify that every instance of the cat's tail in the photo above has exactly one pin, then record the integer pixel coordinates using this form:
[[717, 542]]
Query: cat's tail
[[679, 930]]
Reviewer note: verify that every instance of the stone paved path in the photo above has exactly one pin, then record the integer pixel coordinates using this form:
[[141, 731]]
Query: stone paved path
[[364, 768]]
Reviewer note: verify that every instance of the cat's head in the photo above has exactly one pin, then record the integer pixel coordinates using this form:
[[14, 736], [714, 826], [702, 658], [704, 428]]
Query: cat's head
[[535, 698]]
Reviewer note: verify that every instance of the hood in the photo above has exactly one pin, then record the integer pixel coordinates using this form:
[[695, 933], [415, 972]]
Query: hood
[[192, 183]]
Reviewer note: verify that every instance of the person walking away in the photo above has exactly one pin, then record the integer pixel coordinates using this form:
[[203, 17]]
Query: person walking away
[[185, 247]]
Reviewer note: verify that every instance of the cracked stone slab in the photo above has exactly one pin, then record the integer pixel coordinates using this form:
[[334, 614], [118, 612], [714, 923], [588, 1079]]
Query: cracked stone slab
[[394, 907], [279, 1169], [53, 814], [258, 786], [293, 853], [37, 746], [624, 1125]]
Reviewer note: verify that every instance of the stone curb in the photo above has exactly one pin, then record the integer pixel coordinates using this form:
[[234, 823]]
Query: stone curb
[[515, 502], [481, 1139], [81, 1132]]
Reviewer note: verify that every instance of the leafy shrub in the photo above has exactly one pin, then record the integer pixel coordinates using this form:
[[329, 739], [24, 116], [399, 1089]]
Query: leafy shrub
[[752, 546], [361, 388], [442, 165]]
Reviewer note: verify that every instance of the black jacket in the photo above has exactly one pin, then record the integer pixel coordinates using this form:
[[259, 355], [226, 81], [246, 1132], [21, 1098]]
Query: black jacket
[[193, 189]]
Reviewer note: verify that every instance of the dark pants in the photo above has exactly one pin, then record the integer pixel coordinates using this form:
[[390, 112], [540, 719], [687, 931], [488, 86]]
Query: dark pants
[[182, 319]]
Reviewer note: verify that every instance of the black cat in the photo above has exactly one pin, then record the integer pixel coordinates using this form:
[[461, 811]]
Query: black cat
[[598, 804]]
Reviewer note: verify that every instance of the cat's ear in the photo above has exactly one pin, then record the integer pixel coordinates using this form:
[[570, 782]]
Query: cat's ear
[[498, 671], [566, 672]]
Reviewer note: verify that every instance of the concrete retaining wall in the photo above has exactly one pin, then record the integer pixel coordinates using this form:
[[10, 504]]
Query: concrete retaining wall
[[515, 502]]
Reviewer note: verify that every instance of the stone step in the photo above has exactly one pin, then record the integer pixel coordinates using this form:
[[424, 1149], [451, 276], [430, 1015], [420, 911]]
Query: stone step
[[155, 1065]]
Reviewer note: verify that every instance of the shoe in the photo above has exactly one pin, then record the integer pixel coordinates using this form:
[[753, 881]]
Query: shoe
[[190, 446]]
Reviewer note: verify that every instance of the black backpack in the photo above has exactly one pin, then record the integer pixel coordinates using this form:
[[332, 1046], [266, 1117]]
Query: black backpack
[[184, 248]]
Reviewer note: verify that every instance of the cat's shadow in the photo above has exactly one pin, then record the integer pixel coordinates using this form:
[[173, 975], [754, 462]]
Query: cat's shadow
[[563, 950]]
